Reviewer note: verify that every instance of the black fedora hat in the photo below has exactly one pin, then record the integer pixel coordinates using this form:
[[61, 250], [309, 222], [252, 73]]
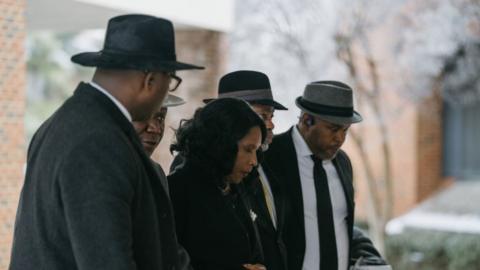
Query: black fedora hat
[[251, 86], [331, 101], [139, 42]]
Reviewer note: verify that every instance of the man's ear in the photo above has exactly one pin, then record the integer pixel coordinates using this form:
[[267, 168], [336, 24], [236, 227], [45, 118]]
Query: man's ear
[[148, 79], [307, 120]]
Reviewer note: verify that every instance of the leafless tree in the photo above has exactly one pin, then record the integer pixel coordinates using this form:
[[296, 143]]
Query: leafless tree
[[304, 40]]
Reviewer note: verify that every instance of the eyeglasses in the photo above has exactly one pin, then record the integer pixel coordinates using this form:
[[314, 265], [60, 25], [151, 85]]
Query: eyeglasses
[[175, 81]]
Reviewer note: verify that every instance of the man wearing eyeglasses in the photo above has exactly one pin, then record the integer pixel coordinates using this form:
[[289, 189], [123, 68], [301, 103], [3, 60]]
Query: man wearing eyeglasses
[[92, 198]]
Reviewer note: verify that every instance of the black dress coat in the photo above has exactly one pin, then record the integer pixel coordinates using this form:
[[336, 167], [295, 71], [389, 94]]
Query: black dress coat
[[271, 237], [217, 230], [282, 159], [91, 197], [183, 257]]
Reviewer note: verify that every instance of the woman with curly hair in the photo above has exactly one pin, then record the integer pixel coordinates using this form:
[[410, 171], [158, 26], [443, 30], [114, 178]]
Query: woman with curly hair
[[215, 222]]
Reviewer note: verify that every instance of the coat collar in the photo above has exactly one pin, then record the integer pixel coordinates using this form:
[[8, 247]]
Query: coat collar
[[282, 157], [93, 96], [114, 100], [300, 144]]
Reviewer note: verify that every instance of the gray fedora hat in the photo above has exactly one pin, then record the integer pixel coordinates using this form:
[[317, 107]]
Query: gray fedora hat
[[331, 101], [173, 101]]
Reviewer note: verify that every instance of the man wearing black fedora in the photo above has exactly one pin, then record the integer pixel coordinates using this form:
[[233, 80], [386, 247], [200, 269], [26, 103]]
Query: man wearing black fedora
[[309, 163], [267, 197], [91, 197]]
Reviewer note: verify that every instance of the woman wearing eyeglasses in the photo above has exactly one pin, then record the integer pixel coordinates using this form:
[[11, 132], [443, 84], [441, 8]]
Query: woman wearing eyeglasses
[[214, 219]]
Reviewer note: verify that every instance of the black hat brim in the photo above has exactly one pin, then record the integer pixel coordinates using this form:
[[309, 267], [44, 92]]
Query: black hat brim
[[268, 102], [120, 61]]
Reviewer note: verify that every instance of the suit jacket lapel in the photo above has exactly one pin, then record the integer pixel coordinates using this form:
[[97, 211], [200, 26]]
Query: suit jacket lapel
[[345, 183], [284, 157], [294, 176], [253, 221], [254, 188], [278, 197], [161, 175], [346, 179]]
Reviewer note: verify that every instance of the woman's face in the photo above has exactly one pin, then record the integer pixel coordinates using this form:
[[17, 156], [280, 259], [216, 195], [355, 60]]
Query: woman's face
[[246, 156]]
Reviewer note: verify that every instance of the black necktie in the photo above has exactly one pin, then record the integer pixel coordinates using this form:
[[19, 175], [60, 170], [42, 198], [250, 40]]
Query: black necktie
[[326, 230]]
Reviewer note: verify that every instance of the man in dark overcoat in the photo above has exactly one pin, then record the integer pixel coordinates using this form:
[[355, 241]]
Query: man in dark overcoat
[[150, 133], [91, 197], [308, 162]]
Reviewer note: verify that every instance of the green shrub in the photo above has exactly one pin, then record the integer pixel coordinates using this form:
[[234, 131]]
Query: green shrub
[[431, 250]]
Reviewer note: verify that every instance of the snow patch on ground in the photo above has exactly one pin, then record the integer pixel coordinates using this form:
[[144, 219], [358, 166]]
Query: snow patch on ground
[[435, 221]]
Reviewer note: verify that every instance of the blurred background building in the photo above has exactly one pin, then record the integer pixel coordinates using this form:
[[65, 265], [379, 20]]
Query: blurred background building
[[414, 66]]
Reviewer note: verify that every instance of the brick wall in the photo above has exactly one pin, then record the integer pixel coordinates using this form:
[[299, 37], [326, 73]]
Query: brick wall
[[12, 108], [201, 47], [402, 138], [429, 146], [415, 141]]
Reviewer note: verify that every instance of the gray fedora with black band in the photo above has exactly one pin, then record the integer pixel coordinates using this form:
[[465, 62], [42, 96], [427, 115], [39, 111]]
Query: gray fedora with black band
[[251, 86], [331, 101]]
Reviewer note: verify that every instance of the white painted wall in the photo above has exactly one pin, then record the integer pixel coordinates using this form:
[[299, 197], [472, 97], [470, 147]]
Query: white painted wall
[[75, 15]]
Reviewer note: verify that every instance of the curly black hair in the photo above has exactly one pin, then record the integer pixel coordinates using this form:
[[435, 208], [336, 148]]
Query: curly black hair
[[210, 139]]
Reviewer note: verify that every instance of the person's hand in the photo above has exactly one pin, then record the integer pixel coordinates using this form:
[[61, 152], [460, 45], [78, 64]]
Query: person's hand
[[254, 266]]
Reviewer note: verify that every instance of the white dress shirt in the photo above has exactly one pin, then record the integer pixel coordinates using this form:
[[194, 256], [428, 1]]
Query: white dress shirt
[[339, 207], [114, 100]]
